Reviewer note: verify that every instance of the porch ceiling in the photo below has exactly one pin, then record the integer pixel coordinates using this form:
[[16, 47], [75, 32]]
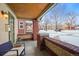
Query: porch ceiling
[[29, 10]]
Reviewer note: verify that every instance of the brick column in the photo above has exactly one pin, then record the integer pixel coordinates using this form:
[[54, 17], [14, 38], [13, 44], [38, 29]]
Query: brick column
[[35, 29]]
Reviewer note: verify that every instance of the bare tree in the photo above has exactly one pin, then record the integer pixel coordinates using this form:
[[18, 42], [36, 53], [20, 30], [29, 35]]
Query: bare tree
[[70, 19], [56, 17], [46, 22]]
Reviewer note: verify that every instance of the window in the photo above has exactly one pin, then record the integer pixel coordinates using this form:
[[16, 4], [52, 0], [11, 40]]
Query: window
[[28, 26], [64, 16], [21, 24]]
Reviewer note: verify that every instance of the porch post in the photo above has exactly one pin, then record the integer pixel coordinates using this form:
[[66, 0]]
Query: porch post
[[35, 29]]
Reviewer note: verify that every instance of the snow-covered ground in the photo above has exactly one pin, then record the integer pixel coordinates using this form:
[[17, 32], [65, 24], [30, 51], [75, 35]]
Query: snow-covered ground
[[69, 36], [64, 32], [70, 39]]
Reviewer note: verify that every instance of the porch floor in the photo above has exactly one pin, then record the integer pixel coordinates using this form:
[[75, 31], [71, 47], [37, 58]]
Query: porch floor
[[32, 50]]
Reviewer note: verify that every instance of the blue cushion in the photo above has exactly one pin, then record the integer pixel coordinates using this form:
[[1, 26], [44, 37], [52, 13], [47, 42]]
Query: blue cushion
[[5, 47]]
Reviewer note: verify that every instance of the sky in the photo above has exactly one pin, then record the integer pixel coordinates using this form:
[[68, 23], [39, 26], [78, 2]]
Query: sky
[[62, 11]]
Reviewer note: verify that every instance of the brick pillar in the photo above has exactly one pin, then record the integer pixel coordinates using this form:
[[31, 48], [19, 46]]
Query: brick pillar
[[35, 29]]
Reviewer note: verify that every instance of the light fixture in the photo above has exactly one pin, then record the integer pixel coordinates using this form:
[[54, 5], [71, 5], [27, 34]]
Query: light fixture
[[3, 15]]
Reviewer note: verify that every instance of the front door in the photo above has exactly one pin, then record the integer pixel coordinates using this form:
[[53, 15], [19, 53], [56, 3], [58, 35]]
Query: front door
[[11, 31]]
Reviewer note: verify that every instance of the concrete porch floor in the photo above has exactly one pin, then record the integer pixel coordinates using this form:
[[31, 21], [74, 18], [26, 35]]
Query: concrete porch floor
[[32, 50]]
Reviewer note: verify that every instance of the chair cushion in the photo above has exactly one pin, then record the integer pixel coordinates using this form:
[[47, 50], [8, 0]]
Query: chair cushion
[[14, 53], [5, 47]]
